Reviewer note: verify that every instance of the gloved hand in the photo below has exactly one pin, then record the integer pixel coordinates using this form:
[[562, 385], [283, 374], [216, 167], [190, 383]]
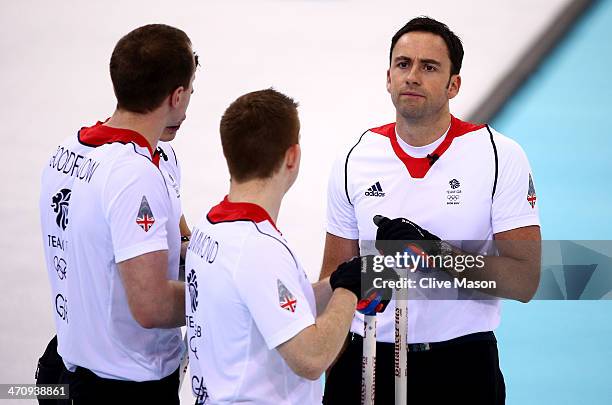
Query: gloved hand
[[357, 275], [392, 235]]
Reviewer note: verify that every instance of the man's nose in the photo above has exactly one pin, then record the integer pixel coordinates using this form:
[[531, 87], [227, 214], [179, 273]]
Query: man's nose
[[414, 75]]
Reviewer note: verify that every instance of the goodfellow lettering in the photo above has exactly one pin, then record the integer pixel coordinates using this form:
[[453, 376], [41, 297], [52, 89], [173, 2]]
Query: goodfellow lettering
[[73, 164]]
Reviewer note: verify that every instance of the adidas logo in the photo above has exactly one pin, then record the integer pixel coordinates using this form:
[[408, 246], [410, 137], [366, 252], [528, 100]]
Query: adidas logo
[[375, 191]]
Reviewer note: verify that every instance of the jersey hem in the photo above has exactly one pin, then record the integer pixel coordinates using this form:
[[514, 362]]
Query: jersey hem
[[515, 223], [289, 332], [140, 249], [340, 233]]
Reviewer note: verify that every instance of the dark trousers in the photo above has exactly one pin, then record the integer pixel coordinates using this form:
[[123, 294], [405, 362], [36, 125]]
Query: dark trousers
[[458, 373], [49, 369], [85, 387]]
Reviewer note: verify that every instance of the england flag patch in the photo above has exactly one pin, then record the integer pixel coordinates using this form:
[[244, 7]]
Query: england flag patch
[[531, 193], [145, 216], [286, 300]]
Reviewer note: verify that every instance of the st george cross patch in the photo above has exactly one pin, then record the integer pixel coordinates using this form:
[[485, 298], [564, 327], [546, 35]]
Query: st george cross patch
[[531, 193], [145, 216], [286, 300]]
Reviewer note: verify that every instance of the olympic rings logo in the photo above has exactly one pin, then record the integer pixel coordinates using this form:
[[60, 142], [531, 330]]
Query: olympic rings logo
[[60, 267]]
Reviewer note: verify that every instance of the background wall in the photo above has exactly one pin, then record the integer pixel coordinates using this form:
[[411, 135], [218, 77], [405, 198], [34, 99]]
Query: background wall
[[331, 56]]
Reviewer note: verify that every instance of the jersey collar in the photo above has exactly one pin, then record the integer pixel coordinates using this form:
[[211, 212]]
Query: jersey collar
[[418, 167], [99, 135], [228, 211]]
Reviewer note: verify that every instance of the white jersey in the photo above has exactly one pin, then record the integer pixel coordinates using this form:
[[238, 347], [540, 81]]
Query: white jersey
[[103, 201], [474, 184], [170, 168], [247, 295]]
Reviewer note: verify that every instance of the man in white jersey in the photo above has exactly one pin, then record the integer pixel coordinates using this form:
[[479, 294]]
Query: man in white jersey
[[259, 332], [440, 178], [110, 224], [50, 365]]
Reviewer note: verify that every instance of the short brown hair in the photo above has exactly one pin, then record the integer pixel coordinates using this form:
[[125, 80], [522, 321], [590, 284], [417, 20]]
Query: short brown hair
[[148, 64], [256, 131], [427, 24]]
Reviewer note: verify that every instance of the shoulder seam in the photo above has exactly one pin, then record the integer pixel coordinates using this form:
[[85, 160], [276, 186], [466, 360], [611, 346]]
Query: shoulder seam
[[348, 198], [496, 160], [261, 232], [174, 153], [279, 241]]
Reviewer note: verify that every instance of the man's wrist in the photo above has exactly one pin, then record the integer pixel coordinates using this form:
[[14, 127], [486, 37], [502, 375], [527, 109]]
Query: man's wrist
[[344, 291]]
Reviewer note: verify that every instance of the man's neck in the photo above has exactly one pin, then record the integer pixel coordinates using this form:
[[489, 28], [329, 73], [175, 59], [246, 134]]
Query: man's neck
[[423, 131], [268, 194], [150, 125]]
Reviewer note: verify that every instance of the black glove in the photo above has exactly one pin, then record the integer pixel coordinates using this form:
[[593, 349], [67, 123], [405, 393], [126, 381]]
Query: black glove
[[357, 275], [392, 235]]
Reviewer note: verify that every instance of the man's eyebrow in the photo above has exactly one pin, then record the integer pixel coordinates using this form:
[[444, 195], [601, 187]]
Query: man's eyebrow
[[431, 62], [402, 58]]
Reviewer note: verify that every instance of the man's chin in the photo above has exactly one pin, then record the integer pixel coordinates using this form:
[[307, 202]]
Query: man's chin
[[169, 134], [412, 113]]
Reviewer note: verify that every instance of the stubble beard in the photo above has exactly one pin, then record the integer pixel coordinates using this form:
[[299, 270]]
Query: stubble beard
[[418, 113]]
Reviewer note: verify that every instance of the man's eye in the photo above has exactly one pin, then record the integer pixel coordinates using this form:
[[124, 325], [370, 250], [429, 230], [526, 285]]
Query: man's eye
[[429, 68], [402, 65]]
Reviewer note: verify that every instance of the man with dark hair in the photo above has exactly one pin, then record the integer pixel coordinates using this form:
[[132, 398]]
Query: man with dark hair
[[110, 226], [254, 333], [426, 24], [441, 179]]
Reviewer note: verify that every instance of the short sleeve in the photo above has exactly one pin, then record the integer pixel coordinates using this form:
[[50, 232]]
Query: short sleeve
[[137, 207], [515, 200], [268, 281], [341, 220]]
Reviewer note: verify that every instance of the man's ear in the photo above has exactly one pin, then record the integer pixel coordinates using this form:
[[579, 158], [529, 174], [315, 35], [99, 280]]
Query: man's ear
[[175, 97], [389, 81], [293, 156], [453, 86]]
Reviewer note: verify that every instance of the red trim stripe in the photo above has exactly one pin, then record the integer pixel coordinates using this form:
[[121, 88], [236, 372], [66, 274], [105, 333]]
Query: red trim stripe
[[227, 211], [418, 167], [100, 134]]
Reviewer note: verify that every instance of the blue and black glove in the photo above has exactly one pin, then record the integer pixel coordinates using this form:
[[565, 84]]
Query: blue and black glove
[[357, 275]]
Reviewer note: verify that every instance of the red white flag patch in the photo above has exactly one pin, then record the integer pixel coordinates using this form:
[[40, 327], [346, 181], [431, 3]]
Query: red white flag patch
[[286, 299], [145, 216], [531, 193]]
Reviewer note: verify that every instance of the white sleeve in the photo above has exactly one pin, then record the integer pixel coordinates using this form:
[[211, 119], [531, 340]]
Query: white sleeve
[[136, 208], [268, 281], [341, 220], [514, 202]]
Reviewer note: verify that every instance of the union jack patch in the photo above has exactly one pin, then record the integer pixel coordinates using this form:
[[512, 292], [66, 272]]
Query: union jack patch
[[286, 300], [531, 193], [145, 216]]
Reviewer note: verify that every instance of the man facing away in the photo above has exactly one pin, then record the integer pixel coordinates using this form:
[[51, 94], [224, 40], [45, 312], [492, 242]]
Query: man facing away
[[110, 227], [439, 178], [259, 332]]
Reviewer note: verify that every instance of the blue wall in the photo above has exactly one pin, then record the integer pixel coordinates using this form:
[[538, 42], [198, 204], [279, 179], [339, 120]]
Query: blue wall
[[561, 352]]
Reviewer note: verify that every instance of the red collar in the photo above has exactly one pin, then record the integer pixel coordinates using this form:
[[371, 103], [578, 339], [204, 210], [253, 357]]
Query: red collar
[[227, 211], [99, 135], [418, 167]]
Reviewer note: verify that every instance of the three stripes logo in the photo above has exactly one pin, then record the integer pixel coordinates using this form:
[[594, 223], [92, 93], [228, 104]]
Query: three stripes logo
[[375, 191]]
